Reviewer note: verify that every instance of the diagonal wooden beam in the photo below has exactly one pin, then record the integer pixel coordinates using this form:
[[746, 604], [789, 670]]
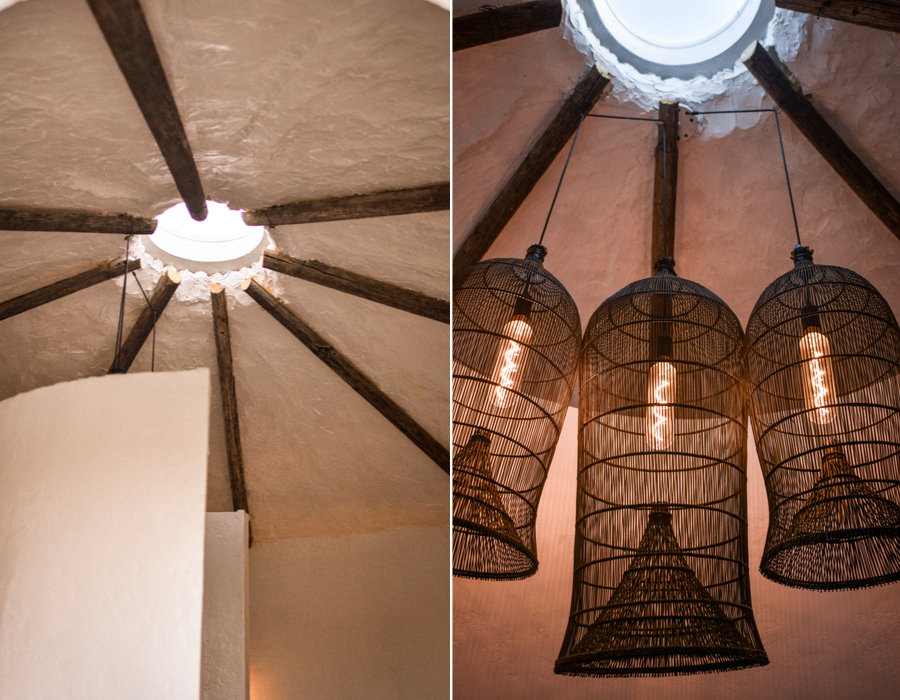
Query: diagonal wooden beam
[[824, 138], [665, 187], [358, 285], [132, 345], [67, 286], [594, 84], [358, 206], [229, 398], [347, 371], [125, 29], [73, 221], [878, 14], [497, 23]]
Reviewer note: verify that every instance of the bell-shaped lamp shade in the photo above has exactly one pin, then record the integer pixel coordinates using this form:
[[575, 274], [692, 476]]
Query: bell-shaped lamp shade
[[661, 583], [516, 340], [823, 361]]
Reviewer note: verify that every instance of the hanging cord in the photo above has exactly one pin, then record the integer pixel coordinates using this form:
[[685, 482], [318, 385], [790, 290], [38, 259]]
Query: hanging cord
[[783, 159], [119, 330], [665, 180], [149, 304]]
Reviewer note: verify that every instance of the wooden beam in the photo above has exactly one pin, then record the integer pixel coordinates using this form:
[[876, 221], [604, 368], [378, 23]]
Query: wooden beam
[[73, 221], [132, 345], [497, 23], [63, 288], [347, 371], [824, 138], [664, 188], [358, 206], [125, 29], [229, 398], [594, 84], [358, 285], [883, 14]]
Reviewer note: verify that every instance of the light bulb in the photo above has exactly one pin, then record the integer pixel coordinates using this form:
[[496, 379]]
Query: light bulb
[[506, 374], [818, 374], [660, 415]]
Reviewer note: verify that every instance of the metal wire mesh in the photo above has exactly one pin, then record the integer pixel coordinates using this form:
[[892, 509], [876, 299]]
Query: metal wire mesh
[[661, 583], [823, 360], [516, 339]]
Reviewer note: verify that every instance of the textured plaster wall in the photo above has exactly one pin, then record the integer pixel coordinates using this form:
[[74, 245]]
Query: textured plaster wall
[[360, 617], [101, 557], [507, 635]]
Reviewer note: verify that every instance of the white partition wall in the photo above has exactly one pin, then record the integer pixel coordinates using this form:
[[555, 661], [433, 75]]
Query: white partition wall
[[103, 485]]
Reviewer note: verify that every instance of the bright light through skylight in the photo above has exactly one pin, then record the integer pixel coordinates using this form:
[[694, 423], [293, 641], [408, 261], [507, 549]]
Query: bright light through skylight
[[223, 235]]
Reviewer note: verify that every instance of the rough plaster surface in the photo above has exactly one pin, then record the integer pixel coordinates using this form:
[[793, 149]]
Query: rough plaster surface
[[368, 619], [101, 583]]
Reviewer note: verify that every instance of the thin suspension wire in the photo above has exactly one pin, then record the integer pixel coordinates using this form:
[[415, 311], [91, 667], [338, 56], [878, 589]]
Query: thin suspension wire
[[121, 326], [783, 159], [150, 304], [559, 184]]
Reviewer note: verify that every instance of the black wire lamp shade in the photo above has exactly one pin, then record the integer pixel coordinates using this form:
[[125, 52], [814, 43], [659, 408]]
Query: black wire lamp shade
[[661, 584], [516, 341], [823, 360]]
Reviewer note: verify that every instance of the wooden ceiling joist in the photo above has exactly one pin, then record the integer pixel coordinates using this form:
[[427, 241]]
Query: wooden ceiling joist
[[665, 187], [498, 23], [132, 345], [125, 29], [878, 14], [359, 206], [594, 84], [822, 136], [64, 287], [347, 371], [229, 398], [73, 222], [358, 285]]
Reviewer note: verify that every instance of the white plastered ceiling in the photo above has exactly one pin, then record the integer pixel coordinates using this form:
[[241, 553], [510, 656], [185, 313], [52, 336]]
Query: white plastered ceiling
[[281, 101]]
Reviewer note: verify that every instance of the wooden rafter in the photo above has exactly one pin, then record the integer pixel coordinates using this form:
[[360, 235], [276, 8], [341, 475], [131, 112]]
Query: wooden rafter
[[229, 398], [347, 371], [664, 188], [358, 285], [64, 287], [822, 136], [132, 345], [878, 14], [594, 84], [73, 221], [125, 29], [497, 23], [359, 206]]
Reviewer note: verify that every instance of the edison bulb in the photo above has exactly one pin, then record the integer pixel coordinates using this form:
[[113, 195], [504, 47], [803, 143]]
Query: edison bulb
[[506, 374], [660, 414], [818, 375]]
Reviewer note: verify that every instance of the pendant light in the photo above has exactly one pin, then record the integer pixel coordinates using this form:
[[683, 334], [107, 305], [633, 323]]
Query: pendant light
[[661, 584], [823, 358], [516, 339]]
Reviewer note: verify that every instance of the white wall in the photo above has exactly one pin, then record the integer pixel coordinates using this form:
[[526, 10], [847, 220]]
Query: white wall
[[827, 646], [103, 485], [355, 617]]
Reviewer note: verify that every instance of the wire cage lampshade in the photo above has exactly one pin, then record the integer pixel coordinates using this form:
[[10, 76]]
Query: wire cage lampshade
[[661, 584], [516, 340], [823, 360]]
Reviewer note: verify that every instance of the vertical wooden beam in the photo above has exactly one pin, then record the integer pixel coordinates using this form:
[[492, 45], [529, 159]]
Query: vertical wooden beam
[[878, 14], [132, 345], [125, 29], [347, 371], [498, 23], [594, 84], [824, 138], [229, 398], [70, 285], [664, 188]]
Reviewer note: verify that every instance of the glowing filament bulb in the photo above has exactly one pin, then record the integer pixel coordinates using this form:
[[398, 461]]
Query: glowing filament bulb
[[506, 374], [660, 415], [818, 375]]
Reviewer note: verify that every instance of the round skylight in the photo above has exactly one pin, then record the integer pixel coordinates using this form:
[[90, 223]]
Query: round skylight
[[222, 236], [683, 39]]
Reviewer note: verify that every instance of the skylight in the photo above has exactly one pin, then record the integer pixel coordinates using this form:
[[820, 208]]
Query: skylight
[[222, 236]]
